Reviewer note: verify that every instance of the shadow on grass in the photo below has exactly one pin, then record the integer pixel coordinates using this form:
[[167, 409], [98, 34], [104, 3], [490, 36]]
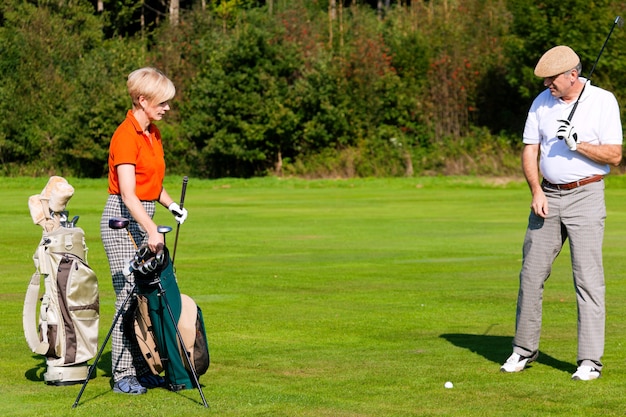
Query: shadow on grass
[[498, 348], [104, 364], [36, 374]]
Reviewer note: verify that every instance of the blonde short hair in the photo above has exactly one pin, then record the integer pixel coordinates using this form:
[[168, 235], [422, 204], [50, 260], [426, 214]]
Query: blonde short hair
[[150, 83]]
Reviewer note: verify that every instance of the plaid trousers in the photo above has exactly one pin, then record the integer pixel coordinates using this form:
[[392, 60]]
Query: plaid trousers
[[126, 357], [577, 215]]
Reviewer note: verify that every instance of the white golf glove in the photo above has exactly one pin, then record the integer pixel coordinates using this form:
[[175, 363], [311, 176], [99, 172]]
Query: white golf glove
[[566, 132], [180, 214]]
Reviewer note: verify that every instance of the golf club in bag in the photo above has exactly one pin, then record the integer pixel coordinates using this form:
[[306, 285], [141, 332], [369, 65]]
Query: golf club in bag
[[66, 333], [183, 357]]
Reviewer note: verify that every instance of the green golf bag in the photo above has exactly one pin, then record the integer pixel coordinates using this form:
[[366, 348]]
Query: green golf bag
[[172, 316]]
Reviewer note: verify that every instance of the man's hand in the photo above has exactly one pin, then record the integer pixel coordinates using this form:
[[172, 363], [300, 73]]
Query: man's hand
[[539, 204], [567, 133]]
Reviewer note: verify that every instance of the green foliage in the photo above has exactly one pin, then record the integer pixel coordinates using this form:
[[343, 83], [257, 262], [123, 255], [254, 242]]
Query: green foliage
[[235, 113], [121, 18], [539, 28], [292, 91], [99, 109], [62, 90]]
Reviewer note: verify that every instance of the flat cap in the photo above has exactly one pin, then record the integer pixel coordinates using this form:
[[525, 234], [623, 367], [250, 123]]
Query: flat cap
[[556, 61]]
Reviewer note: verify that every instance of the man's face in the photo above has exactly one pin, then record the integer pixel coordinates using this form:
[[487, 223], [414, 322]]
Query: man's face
[[559, 85]]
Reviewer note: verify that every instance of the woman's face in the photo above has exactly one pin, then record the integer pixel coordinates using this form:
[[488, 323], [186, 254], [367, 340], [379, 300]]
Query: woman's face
[[154, 111]]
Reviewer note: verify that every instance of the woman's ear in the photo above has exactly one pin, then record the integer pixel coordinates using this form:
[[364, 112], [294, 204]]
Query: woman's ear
[[143, 102]]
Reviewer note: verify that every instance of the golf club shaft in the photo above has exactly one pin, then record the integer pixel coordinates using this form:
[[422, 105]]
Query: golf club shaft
[[617, 22], [182, 202], [132, 239]]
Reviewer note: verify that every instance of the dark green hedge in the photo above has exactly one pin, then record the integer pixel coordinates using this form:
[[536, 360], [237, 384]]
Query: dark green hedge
[[427, 87]]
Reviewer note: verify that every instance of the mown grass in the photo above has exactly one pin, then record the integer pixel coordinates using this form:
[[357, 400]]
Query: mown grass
[[337, 298]]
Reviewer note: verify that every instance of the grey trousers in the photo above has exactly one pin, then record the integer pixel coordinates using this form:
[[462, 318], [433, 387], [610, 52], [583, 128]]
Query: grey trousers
[[576, 215]]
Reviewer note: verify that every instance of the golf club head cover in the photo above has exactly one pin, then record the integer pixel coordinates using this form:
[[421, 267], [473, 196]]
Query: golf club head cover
[[37, 212], [53, 182], [180, 214], [59, 196], [567, 133]]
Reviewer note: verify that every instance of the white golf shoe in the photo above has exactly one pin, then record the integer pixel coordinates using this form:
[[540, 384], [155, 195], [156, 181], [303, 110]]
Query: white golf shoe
[[586, 373], [516, 363]]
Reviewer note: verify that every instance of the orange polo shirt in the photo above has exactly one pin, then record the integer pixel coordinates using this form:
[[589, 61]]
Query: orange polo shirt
[[130, 145]]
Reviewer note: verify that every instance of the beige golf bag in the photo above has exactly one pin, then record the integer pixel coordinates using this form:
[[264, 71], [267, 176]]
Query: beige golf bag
[[66, 332]]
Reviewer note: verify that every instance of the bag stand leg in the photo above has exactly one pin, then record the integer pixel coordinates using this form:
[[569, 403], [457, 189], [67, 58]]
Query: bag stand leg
[[92, 368], [182, 344]]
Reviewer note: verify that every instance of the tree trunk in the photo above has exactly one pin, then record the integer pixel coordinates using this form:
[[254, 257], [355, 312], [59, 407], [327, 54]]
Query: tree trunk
[[278, 166], [408, 164], [332, 15], [332, 9], [174, 12], [143, 18], [341, 24]]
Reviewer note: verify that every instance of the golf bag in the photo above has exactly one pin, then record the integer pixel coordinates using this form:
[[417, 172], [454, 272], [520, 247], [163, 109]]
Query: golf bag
[[66, 333], [157, 332]]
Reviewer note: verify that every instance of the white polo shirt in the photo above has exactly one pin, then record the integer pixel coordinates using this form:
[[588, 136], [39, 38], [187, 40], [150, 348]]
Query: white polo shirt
[[596, 120]]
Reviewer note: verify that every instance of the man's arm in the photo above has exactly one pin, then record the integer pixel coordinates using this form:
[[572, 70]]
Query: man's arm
[[602, 154], [530, 166]]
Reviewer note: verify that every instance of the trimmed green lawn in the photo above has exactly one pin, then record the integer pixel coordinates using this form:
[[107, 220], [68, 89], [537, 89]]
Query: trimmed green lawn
[[336, 298]]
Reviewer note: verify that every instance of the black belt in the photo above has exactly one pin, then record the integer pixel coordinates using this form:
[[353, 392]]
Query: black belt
[[572, 185]]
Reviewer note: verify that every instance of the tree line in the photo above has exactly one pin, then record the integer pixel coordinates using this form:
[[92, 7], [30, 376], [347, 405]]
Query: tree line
[[312, 88]]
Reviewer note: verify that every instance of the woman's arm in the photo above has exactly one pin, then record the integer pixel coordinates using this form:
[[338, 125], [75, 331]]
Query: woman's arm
[[126, 177]]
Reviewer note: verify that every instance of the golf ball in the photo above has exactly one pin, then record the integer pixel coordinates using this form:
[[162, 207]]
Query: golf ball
[[448, 385]]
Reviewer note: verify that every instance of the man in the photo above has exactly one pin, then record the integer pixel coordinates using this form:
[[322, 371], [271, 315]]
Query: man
[[575, 151]]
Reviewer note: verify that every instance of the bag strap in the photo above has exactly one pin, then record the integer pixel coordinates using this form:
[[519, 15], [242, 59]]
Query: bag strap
[[29, 319], [37, 343]]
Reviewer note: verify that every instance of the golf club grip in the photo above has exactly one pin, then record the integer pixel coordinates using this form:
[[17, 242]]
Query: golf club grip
[[183, 191]]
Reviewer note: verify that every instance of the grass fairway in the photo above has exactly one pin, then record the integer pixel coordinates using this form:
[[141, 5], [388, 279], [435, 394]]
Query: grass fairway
[[337, 299]]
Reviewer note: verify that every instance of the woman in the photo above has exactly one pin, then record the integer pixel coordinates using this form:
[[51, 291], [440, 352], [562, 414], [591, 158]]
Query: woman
[[136, 172]]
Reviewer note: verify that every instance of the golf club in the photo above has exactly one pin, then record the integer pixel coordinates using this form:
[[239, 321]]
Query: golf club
[[163, 230], [145, 261], [118, 223], [182, 201], [618, 22]]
